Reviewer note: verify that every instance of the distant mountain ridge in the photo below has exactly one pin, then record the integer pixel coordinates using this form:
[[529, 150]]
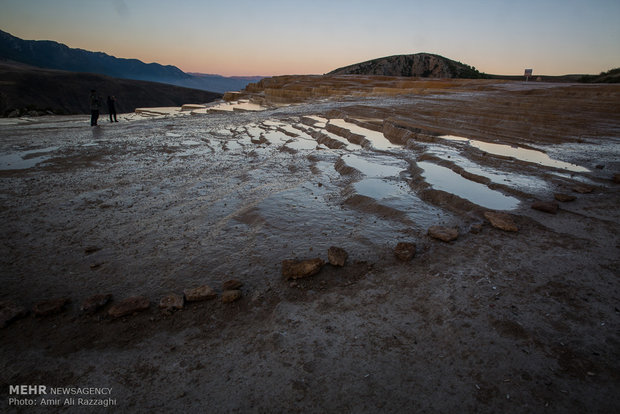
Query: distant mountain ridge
[[53, 55], [31, 90], [425, 65]]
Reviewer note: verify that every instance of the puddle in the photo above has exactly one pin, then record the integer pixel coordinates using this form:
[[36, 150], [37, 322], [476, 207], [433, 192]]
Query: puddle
[[523, 154], [444, 179], [319, 122], [235, 106], [378, 140], [24, 160], [375, 169], [397, 195], [518, 181]]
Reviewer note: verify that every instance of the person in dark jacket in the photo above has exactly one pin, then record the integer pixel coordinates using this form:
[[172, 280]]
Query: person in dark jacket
[[112, 108], [95, 102]]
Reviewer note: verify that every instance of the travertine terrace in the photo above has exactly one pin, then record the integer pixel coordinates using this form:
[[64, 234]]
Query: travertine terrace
[[477, 222]]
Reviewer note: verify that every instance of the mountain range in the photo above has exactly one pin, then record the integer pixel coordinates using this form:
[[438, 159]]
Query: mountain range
[[53, 55]]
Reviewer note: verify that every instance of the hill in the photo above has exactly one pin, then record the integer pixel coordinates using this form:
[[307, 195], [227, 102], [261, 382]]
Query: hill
[[425, 65], [27, 88], [53, 55]]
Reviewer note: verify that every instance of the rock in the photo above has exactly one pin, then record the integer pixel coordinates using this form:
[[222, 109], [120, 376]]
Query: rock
[[446, 234], [501, 221], [129, 306], [199, 293], [95, 302], [294, 269], [50, 307], [405, 251], [616, 178], [564, 197], [10, 311], [546, 206], [337, 256], [476, 228], [583, 189], [229, 296], [14, 114], [172, 301], [232, 284]]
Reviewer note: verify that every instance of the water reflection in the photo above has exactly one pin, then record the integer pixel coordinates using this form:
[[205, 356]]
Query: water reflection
[[444, 179], [523, 154]]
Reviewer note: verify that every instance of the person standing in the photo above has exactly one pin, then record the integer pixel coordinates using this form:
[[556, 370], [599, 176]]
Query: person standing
[[94, 107], [112, 108]]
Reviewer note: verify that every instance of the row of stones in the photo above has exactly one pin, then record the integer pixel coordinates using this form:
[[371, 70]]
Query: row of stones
[[11, 311], [291, 269]]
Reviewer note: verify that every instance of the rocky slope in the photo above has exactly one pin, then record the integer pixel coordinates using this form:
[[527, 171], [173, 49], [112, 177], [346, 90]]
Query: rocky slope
[[53, 55], [424, 65], [26, 89]]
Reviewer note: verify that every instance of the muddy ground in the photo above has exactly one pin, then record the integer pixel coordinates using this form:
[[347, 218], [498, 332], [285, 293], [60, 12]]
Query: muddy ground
[[493, 321]]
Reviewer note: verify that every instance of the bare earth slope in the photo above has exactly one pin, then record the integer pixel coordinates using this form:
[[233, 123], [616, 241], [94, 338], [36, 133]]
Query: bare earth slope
[[493, 321]]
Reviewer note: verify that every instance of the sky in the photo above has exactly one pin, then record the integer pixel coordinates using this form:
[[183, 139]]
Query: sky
[[277, 37]]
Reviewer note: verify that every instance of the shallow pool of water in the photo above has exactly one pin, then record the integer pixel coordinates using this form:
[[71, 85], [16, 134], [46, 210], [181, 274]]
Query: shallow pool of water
[[444, 179], [523, 154], [378, 140], [25, 159], [383, 167]]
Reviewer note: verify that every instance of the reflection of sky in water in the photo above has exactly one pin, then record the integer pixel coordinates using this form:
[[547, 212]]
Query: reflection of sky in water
[[444, 179], [520, 181], [519, 153], [375, 169], [378, 140], [24, 160], [231, 106]]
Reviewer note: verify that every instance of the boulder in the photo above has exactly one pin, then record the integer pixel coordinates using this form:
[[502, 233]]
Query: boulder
[[337, 256], [502, 221], [229, 296], [10, 311], [95, 302], [564, 197], [297, 269], [172, 301], [199, 293], [546, 206], [50, 307], [405, 251], [232, 284], [129, 306], [446, 234]]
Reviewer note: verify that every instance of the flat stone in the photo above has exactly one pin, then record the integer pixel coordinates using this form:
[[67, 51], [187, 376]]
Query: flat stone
[[229, 296], [583, 189], [446, 234], [95, 302], [564, 197], [129, 306], [232, 284], [405, 251], [297, 269], [546, 206], [199, 293], [475, 228], [50, 307], [10, 311], [337, 256], [501, 221], [172, 301]]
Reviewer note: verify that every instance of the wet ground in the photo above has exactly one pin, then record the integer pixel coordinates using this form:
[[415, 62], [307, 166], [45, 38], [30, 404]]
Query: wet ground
[[167, 199]]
